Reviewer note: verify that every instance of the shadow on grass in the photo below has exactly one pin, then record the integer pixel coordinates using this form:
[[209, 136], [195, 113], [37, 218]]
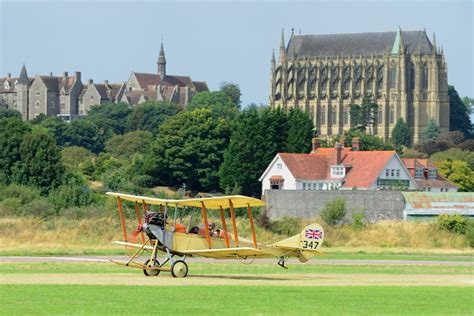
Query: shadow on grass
[[240, 277]]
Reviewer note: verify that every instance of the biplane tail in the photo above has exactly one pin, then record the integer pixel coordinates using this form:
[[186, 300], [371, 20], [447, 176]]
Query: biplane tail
[[307, 243]]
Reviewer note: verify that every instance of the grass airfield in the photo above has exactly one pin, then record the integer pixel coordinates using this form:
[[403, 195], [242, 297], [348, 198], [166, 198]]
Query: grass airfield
[[216, 287]]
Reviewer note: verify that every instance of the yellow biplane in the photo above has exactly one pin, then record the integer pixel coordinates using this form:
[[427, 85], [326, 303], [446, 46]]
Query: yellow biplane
[[157, 234]]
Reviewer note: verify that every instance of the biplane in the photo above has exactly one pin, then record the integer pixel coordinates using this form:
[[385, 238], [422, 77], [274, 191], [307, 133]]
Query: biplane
[[166, 243]]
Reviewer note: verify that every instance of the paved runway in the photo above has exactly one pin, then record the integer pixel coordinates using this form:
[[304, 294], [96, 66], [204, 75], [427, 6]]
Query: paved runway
[[266, 261]]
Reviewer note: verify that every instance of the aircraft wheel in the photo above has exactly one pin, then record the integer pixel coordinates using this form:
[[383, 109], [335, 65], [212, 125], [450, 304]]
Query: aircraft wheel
[[149, 272], [179, 269]]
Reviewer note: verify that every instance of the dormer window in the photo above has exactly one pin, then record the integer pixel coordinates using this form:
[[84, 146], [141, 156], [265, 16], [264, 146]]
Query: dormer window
[[432, 174], [419, 173], [338, 171]]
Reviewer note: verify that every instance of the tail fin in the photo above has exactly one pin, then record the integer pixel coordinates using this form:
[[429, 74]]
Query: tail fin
[[308, 242]]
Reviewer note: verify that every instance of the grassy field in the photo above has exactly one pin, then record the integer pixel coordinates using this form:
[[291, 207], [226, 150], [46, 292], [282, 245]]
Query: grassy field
[[233, 300], [235, 289]]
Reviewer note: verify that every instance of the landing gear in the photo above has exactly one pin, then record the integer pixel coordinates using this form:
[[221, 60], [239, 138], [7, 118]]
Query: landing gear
[[282, 261], [179, 269], [150, 263]]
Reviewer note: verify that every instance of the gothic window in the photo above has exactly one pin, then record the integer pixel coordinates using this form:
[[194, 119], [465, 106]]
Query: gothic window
[[369, 85], [412, 77], [379, 115], [380, 77], [424, 78], [346, 77], [323, 115], [346, 115], [358, 85], [392, 114], [324, 85], [333, 115], [392, 76]]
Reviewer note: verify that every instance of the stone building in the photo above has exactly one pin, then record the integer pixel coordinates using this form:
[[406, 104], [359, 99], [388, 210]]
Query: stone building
[[14, 92], [99, 93], [160, 86], [403, 72]]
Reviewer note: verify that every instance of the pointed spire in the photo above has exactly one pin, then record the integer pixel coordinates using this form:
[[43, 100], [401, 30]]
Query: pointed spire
[[162, 61], [273, 60], [282, 46], [434, 43], [23, 79], [398, 47]]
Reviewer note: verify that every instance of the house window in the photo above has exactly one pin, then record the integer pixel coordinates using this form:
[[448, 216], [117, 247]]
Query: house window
[[37, 104], [279, 167], [315, 186], [428, 189], [37, 93], [92, 97], [419, 173], [392, 172], [337, 171], [387, 172], [432, 173], [398, 173], [304, 185], [320, 186]]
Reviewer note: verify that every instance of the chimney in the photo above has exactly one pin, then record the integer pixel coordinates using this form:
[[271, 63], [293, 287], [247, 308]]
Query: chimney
[[356, 144], [9, 75], [91, 81], [51, 74], [78, 75], [65, 74], [339, 147], [316, 144], [106, 82]]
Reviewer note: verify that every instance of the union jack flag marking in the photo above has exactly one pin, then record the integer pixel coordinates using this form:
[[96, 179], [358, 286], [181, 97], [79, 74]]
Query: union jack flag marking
[[313, 233]]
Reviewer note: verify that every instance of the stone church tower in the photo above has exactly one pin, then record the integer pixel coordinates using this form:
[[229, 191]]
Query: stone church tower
[[403, 72], [161, 62], [22, 91]]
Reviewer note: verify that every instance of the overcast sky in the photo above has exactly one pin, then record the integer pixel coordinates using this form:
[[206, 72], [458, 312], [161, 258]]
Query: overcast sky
[[211, 41]]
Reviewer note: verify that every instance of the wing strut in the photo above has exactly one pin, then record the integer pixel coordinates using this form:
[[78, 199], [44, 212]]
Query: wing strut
[[224, 227], [122, 219], [252, 227], [139, 218], [206, 224], [234, 226]]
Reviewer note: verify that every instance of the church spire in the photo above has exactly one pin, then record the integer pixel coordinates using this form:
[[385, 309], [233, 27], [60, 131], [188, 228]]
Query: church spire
[[434, 50], [23, 79], [162, 61], [282, 46], [398, 46], [273, 60]]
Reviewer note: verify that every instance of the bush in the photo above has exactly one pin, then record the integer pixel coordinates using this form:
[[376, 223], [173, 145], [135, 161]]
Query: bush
[[23, 193], [453, 223], [40, 207], [263, 220], [358, 220], [288, 226], [71, 195], [143, 180], [334, 211], [10, 207], [470, 232]]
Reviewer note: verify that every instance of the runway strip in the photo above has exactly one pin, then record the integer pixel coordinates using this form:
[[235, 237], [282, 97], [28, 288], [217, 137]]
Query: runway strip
[[315, 261]]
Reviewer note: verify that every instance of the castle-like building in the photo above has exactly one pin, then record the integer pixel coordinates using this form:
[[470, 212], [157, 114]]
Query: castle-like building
[[67, 97], [403, 72]]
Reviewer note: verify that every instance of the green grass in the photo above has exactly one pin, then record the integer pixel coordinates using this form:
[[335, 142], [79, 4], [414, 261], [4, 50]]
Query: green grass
[[197, 268], [233, 300]]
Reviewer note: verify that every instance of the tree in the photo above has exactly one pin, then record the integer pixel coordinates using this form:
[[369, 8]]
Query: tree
[[189, 149], [469, 104], [401, 133], [458, 114], [256, 138], [218, 102], [368, 142], [459, 173], [455, 137], [233, 91], [148, 116], [363, 115], [300, 131], [73, 157], [433, 146], [5, 113], [454, 154], [431, 132], [12, 132], [110, 118], [40, 161], [58, 128], [127, 145], [85, 133], [38, 119]]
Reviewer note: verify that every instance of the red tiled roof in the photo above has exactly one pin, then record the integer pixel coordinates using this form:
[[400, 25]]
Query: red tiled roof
[[362, 167]]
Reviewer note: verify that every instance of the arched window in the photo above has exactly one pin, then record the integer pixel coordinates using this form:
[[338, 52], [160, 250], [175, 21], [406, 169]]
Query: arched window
[[379, 115], [346, 115], [392, 114], [412, 77], [424, 77], [323, 115], [333, 115], [392, 76]]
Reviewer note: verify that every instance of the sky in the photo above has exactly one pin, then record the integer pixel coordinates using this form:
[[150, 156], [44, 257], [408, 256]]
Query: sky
[[213, 41]]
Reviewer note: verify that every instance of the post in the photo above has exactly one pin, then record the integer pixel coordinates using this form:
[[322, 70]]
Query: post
[[224, 227], [137, 211], [234, 226], [122, 219], [206, 224], [145, 208], [252, 227]]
